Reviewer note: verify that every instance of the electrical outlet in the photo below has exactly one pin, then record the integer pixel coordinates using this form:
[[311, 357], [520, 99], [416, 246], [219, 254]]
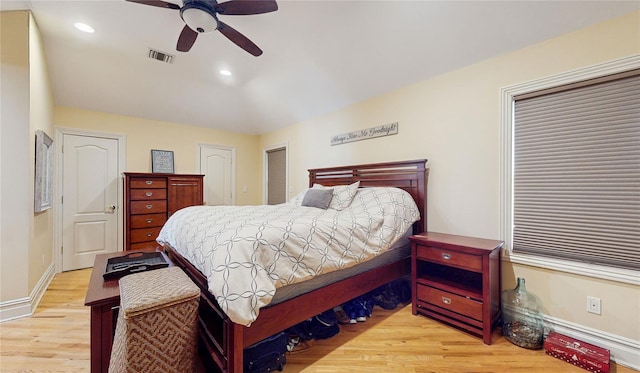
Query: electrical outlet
[[593, 305]]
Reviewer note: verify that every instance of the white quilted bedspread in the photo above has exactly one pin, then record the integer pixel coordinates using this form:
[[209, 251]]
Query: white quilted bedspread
[[247, 252]]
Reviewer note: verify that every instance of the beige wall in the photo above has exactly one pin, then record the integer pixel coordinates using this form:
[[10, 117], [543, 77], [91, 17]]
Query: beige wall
[[41, 118], [142, 135], [26, 241], [15, 206], [454, 121]]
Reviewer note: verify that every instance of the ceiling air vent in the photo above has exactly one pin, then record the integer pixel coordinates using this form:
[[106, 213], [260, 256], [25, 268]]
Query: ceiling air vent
[[160, 56]]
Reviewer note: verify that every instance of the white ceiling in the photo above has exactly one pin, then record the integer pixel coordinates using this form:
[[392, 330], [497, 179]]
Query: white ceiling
[[319, 56]]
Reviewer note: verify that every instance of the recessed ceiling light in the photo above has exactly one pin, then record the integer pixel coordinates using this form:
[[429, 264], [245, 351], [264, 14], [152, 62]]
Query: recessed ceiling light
[[84, 27], [225, 72]]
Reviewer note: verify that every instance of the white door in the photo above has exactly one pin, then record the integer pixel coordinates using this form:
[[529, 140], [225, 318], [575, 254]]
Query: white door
[[215, 165], [89, 199]]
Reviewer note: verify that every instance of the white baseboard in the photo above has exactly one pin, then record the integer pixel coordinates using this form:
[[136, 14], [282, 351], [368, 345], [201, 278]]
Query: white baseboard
[[15, 309], [24, 307], [624, 351]]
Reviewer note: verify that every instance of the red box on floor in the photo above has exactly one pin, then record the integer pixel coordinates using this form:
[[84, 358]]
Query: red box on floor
[[578, 353]]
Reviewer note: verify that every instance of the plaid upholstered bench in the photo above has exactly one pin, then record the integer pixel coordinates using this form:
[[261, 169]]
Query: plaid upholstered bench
[[156, 329]]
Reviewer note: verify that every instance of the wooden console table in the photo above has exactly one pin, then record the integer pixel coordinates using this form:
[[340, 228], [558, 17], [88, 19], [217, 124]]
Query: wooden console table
[[104, 299]]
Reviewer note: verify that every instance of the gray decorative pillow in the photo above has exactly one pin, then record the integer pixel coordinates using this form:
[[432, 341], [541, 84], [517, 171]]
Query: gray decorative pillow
[[342, 194], [320, 198]]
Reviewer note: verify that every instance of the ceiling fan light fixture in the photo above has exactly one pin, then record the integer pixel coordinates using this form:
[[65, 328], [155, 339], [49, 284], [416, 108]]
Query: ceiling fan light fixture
[[201, 16], [198, 18]]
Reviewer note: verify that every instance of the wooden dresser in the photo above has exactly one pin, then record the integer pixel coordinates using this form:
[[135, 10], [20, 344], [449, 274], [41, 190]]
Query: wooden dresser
[[151, 198], [456, 280]]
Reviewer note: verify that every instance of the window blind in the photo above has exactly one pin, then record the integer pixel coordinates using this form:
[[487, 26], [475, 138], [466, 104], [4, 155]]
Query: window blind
[[576, 183]]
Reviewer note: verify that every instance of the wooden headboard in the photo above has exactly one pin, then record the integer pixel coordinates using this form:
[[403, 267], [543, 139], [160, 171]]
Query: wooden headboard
[[411, 176]]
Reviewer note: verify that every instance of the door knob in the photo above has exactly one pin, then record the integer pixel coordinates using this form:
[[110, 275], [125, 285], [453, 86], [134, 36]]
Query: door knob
[[111, 209]]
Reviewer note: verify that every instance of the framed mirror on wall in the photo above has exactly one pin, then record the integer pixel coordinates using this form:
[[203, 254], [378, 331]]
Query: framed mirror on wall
[[43, 172]]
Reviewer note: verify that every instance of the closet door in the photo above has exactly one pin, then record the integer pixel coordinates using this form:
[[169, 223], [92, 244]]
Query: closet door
[[90, 199], [217, 165]]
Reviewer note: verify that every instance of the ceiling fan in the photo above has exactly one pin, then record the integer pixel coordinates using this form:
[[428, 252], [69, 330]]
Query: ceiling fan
[[201, 16]]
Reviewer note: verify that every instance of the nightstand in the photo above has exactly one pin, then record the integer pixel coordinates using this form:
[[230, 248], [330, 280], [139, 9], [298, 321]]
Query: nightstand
[[456, 280]]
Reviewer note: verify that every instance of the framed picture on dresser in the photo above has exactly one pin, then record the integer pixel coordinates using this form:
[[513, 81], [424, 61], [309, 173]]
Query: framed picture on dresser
[[162, 161]]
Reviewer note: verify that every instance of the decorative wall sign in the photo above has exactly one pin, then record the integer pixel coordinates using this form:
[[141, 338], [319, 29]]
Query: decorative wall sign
[[162, 161], [369, 133], [43, 172]]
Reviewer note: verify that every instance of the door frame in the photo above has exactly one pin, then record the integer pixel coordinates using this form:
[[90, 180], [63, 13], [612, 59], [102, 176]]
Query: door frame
[[200, 146], [265, 171], [57, 192]]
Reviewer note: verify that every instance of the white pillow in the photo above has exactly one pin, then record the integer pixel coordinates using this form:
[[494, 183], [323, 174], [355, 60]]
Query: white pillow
[[297, 199], [342, 195]]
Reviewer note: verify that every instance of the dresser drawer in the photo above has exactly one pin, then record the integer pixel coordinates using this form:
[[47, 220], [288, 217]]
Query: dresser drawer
[[148, 221], [450, 301], [145, 246], [147, 194], [450, 258], [144, 234], [148, 207], [147, 182]]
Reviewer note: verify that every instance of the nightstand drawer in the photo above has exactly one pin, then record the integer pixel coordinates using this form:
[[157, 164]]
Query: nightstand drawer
[[147, 194], [148, 221], [450, 301], [450, 258], [147, 182], [148, 207], [142, 235]]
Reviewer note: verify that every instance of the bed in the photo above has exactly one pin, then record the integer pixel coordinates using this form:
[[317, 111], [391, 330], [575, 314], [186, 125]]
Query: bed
[[221, 341]]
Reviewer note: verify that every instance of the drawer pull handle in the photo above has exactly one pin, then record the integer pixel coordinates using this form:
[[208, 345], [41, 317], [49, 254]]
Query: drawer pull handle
[[149, 194], [149, 221], [149, 234], [446, 256], [149, 207], [446, 300], [149, 182]]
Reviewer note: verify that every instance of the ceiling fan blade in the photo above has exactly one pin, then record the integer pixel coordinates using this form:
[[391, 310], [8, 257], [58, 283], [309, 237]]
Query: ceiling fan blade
[[239, 39], [186, 39], [246, 7], [158, 3]]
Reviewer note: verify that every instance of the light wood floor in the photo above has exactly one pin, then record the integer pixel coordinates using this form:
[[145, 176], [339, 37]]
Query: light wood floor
[[56, 339]]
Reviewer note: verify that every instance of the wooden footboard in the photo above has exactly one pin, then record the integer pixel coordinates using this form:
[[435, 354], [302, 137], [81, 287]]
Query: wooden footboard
[[221, 342]]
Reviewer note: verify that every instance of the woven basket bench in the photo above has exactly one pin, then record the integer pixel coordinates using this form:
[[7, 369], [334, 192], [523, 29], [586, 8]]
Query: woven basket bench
[[156, 329]]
